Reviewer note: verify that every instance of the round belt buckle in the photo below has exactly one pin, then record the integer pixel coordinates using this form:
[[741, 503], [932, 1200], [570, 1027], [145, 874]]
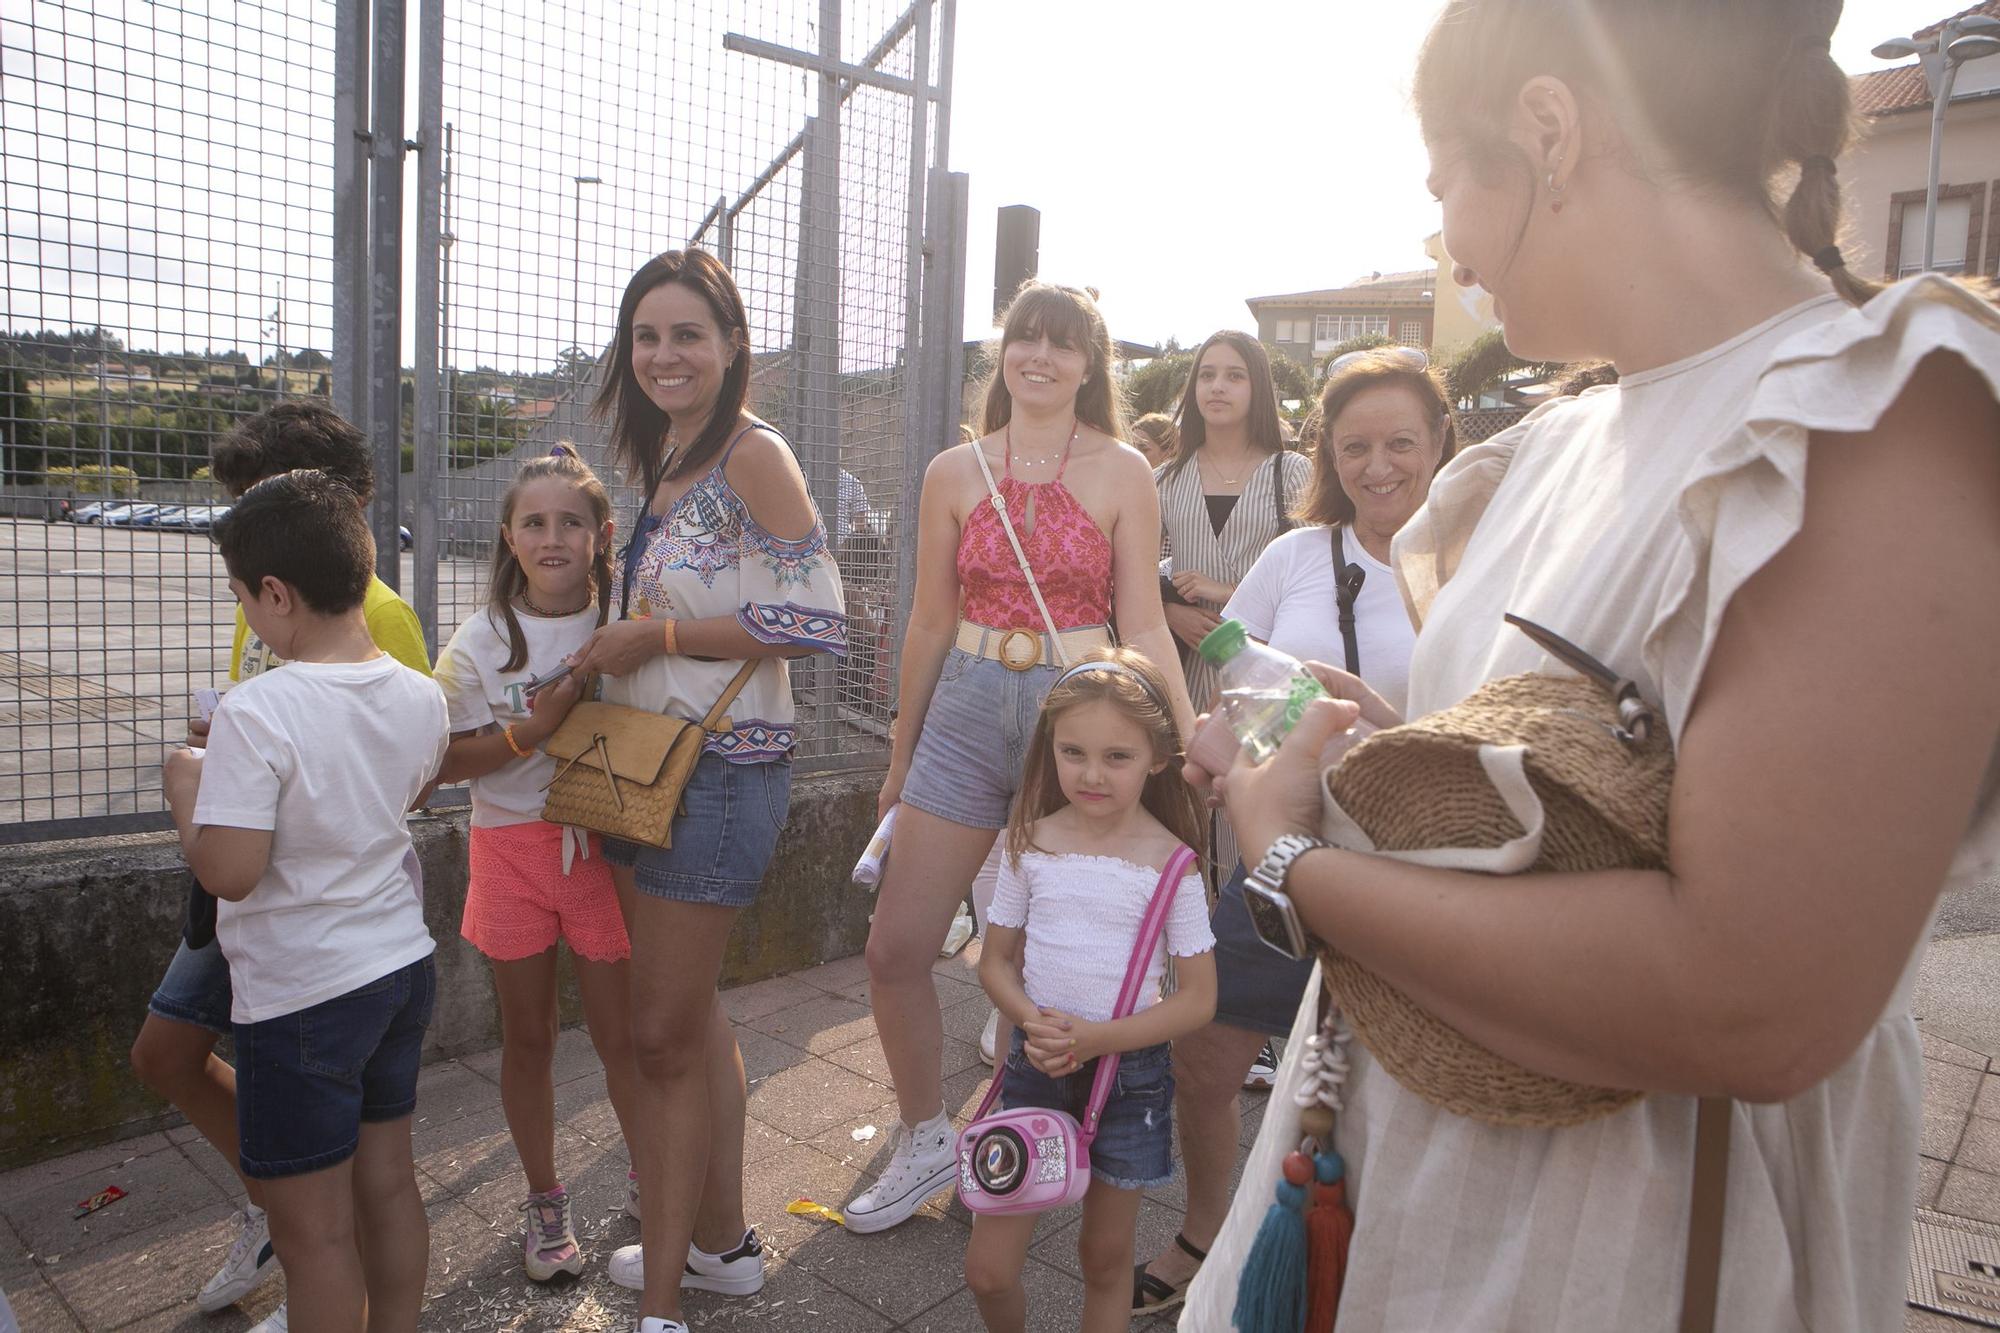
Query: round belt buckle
[[1020, 650]]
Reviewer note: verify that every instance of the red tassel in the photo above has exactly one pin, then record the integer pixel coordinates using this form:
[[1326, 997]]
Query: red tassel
[[1329, 1229]]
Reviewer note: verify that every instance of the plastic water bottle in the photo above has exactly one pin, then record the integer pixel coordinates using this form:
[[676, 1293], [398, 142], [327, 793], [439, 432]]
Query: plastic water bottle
[[1264, 691]]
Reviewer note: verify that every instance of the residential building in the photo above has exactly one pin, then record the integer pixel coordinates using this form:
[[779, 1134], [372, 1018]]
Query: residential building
[[1884, 175], [1306, 325]]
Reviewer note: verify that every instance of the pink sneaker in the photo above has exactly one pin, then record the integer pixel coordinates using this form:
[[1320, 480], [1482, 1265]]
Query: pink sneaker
[[548, 1245]]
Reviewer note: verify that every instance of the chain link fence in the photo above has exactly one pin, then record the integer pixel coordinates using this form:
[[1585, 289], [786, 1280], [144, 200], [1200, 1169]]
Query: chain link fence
[[165, 281]]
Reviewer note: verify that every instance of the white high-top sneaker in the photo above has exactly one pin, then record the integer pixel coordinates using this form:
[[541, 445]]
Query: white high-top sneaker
[[923, 1161]]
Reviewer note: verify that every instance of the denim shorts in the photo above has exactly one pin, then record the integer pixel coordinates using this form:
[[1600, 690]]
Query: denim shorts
[[307, 1081], [1256, 987], [195, 989], [723, 844], [1134, 1148], [968, 761]]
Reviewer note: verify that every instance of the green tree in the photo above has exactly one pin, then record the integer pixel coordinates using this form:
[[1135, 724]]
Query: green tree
[[1360, 342], [1157, 386], [22, 426]]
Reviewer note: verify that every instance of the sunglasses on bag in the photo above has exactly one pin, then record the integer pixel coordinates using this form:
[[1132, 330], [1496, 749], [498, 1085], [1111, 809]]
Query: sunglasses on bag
[[1404, 358]]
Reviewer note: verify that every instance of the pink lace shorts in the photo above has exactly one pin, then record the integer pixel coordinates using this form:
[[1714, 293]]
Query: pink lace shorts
[[519, 901]]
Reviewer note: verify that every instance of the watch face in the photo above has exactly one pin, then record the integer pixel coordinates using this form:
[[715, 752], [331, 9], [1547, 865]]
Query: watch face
[[1275, 919]]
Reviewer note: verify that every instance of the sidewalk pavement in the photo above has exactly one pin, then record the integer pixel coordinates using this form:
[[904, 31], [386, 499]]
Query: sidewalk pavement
[[817, 1080]]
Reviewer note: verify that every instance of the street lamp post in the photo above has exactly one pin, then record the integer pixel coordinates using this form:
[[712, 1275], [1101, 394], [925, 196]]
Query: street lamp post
[[576, 265], [1967, 37]]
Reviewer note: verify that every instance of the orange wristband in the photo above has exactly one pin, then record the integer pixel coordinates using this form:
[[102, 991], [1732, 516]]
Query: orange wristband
[[515, 745], [673, 634]]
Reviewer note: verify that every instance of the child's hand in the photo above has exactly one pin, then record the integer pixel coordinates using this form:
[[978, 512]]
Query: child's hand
[[1059, 1043], [197, 732], [549, 707], [181, 779]]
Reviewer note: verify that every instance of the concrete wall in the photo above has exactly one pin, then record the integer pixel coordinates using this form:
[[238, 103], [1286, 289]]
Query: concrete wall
[[88, 928]]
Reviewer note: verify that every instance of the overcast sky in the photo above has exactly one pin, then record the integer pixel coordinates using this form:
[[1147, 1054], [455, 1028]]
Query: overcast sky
[[1188, 155]]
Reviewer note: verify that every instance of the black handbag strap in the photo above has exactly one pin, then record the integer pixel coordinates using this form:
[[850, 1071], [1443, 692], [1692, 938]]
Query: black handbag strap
[[1278, 491], [1347, 580]]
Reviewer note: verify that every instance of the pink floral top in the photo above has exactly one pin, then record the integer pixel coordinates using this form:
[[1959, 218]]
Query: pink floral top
[[1069, 553]]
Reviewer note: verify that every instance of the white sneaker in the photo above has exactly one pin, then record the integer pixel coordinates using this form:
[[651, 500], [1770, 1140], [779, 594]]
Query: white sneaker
[[989, 1039], [632, 1195], [923, 1161], [653, 1324], [251, 1263], [278, 1322], [737, 1273], [1263, 1070]]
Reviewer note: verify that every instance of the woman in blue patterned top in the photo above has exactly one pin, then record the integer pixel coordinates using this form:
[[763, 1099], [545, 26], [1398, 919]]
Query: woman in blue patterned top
[[728, 563]]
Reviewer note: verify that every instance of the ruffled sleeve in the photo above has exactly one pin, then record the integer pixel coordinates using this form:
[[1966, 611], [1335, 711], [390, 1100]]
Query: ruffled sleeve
[[1426, 552], [1009, 907], [1744, 499], [791, 590], [1188, 931]]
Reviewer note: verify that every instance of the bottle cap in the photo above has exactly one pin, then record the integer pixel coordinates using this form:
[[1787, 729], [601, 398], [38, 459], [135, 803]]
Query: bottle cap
[[1224, 642]]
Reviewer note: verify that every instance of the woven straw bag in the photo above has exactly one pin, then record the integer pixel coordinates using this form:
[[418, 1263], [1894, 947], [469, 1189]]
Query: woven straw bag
[[621, 771], [1529, 772]]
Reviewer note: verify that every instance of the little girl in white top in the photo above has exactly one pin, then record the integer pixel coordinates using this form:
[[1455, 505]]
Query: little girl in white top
[[1102, 809], [534, 883]]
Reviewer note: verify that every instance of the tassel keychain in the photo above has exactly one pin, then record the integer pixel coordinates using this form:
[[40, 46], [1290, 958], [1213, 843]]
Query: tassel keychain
[[1293, 1275]]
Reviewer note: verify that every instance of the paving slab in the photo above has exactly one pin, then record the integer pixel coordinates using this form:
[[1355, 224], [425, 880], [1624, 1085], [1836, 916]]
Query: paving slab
[[154, 1270]]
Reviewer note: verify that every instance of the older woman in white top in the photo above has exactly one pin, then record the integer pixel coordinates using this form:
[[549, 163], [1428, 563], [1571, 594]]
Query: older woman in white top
[[1783, 524], [1389, 430]]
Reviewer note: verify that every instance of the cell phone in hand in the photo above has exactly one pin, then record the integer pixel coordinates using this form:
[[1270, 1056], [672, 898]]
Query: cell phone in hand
[[205, 704], [534, 686]]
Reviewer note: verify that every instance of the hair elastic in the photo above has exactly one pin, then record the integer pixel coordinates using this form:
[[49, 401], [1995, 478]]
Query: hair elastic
[[1819, 162], [1828, 258], [1117, 668]]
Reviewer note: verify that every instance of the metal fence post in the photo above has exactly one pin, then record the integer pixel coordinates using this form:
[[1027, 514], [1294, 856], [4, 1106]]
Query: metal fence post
[[942, 365], [385, 291], [350, 208], [428, 315]]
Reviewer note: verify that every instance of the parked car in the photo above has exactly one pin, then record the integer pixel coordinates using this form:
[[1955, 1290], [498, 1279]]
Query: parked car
[[129, 515], [404, 535], [96, 510], [200, 518], [163, 516]]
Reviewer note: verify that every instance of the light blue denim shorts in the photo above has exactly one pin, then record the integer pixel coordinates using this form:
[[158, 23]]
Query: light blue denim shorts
[[195, 989], [723, 844], [975, 739]]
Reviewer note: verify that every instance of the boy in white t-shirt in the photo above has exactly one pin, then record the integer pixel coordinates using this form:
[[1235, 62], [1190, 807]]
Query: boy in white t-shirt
[[294, 819]]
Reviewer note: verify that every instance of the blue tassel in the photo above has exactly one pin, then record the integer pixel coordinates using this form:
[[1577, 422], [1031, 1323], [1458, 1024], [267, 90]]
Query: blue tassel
[[1271, 1291]]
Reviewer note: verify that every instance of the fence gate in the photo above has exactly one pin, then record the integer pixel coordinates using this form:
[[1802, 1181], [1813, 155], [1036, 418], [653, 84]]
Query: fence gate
[[203, 216], [793, 140]]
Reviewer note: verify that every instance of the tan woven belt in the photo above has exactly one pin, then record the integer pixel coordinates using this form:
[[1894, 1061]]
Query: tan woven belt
[[1021, 649]]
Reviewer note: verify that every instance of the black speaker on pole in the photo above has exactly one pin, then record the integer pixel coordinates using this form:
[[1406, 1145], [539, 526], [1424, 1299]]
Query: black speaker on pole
[[1017, 253]]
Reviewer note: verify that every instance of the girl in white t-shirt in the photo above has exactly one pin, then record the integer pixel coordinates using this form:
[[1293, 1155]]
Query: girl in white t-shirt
[[1102, 809], [534, 882]]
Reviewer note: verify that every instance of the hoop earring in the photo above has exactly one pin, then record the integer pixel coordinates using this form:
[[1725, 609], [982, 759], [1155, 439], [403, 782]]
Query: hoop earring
[[1555, 193]]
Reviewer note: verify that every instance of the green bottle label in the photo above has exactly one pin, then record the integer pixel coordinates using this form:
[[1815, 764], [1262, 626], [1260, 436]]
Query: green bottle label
[[1304, 690]]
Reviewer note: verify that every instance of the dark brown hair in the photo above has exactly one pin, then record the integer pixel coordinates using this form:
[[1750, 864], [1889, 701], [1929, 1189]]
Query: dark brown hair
[[304, 528], [1383, 368], [1733, 96], [1140, 692], [1070, 318], [301, 433], [1266, 433], [638, 428], [508, 580]]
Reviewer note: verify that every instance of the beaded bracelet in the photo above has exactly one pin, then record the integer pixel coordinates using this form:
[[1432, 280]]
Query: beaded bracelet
[[673, 636], [515, 745]]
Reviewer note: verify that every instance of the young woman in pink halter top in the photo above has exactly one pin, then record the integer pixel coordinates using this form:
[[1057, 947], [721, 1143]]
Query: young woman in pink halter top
[[977, 658]]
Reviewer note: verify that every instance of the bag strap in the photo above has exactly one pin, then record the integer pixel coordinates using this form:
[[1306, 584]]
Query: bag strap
[[1150, 927], [729, 693], [1278, 491], [999, 503], [1705, 1214], [1347, 580]]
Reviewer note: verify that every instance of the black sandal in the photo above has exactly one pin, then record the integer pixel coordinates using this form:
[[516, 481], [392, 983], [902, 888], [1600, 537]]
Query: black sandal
[[1152, 1294]]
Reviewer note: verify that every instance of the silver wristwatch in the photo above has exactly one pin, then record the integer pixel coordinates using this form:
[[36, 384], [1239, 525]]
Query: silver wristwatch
[[1272, 914]]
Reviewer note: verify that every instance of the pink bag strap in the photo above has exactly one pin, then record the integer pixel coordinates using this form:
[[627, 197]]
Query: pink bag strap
[[1150, 929]]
